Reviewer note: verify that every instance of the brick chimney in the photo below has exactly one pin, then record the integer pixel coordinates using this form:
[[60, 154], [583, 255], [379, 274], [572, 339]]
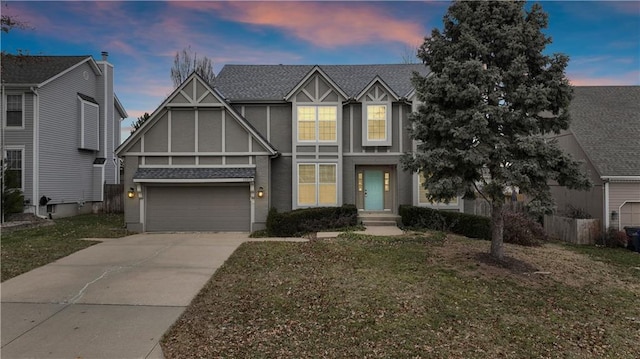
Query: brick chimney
[[105, 55]]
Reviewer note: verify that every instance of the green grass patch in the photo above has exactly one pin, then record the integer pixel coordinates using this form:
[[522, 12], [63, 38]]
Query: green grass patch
[[619, 257], [28, 248], [402, 297]]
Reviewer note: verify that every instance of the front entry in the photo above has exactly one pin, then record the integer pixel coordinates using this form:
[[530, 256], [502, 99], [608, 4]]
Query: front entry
[[373, 190]]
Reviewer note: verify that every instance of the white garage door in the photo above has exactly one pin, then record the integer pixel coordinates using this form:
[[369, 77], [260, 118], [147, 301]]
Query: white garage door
[[198, 208], [630, 214]]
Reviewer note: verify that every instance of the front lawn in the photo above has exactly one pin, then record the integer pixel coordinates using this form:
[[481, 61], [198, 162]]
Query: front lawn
[[27, 248], [417, 296]]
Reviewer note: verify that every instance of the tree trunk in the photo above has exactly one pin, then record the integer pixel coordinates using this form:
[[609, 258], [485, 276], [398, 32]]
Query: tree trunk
[[497, 229]]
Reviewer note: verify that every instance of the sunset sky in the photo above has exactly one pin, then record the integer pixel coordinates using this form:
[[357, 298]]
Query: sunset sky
[[602, 38]]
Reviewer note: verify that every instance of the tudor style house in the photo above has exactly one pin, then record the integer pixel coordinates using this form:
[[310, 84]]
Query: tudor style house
[[605, 136], [60, 126], [273, 136]]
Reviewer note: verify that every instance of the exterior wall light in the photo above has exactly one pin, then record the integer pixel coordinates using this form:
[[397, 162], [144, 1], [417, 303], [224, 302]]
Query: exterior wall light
[[614, 215], [131, 193], [260, 192]]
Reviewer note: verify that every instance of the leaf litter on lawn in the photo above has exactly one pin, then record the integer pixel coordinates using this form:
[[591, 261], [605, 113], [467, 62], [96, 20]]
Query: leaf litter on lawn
[[416, 296]]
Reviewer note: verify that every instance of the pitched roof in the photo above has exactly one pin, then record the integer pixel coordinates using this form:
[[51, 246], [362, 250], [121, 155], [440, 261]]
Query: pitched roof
[[193, 173], [606, 122], [35, 69], [273, 82]]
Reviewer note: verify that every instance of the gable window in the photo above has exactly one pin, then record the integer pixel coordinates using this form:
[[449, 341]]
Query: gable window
[[317, 123], [15, 168], [317, 184], [14, 111], [377, 125]]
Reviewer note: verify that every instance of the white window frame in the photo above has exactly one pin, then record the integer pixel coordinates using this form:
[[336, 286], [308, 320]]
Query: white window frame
[[6, 108], [317, 185], [317, 124], [22, 159], [366, 141]]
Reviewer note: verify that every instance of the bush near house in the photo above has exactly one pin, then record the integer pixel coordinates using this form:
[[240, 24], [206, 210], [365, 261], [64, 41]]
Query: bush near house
[[518, 228], [307, 220], [468, 225]]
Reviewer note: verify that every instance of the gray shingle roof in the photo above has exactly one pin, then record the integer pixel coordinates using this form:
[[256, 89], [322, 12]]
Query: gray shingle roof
[[606, 123], [35, 69], [273, 82], [193, 173]]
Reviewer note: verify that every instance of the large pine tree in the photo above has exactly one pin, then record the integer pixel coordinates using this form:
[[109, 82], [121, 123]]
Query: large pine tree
[[490, 99]]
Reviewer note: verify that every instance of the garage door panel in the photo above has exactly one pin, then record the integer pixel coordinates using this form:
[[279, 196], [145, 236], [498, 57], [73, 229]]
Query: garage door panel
[[198, 208], [630, 214]]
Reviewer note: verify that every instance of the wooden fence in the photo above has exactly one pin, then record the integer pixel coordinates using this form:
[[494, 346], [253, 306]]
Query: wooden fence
[[113, 198], [481, 207], [571, 230]]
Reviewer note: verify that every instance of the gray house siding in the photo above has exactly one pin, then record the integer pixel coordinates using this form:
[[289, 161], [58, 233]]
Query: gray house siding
[[590, 201], [193, 130], [281, 186], [66, 173], [23, 138]]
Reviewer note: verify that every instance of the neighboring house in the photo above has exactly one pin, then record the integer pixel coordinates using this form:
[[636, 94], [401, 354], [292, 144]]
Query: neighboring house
[[273, 136], [60, 126], [605, 135]]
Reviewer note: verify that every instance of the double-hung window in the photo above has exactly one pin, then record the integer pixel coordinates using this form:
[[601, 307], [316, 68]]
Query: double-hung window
[[14, 168], [317, 123], [317, 184], [423, 192], [14, 111], [377, 124]]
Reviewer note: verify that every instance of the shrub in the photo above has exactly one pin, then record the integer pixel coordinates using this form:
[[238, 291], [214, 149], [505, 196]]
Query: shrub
[[468, 225], [307, 220], [520, 229], [615, 238]]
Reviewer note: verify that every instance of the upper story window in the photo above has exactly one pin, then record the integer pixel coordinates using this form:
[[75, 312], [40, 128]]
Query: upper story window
[[317, 123], [14, 111], [377, 125], [15, 168], [89, 123]]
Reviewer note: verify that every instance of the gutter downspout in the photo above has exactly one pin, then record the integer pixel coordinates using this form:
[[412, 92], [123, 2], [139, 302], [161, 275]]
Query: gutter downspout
[[606, 205], [2, 121], [36, 152]]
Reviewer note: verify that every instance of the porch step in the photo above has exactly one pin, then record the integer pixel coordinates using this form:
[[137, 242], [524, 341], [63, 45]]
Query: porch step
[[378, 219]]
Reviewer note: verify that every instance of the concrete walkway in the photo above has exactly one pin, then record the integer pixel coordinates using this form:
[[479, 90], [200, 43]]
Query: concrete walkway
[[112, 300]]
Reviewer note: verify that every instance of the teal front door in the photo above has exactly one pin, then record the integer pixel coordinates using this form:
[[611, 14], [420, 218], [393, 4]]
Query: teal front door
[[373, 190]]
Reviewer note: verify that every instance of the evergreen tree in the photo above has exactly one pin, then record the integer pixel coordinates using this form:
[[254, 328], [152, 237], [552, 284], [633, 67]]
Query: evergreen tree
[[487, 106]]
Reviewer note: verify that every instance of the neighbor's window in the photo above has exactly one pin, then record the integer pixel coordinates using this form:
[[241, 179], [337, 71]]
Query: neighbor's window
[[15, 169], [317, 184], [317, 123], [14, 111]]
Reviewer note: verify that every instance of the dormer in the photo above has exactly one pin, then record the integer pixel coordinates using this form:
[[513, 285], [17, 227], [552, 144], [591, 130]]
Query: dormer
[[377, 99]]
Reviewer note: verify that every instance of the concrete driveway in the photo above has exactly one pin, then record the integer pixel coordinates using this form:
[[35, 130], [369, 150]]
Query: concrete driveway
[[112, 300]]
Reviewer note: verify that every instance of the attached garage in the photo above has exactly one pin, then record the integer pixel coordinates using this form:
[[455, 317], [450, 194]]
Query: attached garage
[[196, 199], [198, 208], [630, 214]]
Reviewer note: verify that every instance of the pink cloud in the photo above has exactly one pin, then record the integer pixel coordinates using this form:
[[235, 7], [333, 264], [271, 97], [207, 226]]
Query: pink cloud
[[324, 24], [631, 78]]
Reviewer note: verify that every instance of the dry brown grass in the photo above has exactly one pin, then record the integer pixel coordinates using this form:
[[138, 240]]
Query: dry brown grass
[[411, 297]]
